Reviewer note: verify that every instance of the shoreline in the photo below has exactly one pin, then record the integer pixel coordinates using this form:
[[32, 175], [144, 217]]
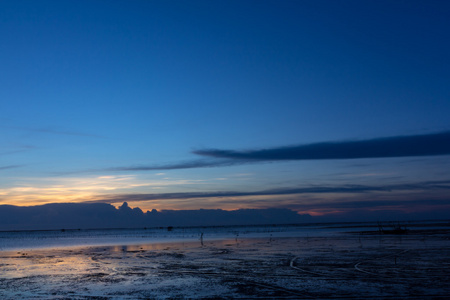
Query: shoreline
[[27, 240], [337, 224], [354, 266]]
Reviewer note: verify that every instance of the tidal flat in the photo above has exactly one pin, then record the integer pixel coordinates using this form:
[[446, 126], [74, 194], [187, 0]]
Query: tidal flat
[[342, 266]]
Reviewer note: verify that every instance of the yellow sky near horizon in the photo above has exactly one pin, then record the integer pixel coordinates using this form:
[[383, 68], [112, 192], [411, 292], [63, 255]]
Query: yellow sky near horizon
[[166, 193], [39, 191]]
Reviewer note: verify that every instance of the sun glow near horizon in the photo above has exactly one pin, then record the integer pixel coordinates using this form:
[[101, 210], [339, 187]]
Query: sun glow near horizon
[[36, 191]]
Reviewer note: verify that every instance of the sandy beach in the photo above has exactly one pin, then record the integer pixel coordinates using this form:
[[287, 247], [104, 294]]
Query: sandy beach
[[351, 266]]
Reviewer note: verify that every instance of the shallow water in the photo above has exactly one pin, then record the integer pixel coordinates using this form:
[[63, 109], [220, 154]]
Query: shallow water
[[333, 266], [26, 240]]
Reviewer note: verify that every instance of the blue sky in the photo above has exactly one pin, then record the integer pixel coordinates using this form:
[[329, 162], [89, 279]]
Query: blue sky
[[98, 98]]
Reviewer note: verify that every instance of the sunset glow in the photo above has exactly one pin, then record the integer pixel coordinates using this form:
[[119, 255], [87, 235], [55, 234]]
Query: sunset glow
[[321, 107]]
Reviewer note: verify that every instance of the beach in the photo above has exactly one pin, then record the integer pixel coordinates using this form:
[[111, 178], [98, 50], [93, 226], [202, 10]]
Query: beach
[[364, 265]]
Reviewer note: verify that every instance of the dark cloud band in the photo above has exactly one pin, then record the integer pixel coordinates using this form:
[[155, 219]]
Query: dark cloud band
[[425, 186], [398, 146]]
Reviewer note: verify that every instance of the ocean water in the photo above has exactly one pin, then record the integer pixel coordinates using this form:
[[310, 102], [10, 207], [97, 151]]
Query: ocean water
[[27, 240]]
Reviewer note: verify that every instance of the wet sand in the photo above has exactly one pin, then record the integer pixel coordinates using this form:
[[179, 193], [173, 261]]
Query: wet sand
[[346, 266]]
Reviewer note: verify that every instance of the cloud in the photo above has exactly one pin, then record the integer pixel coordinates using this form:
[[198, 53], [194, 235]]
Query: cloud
[[22, 148], [372, 204], [51, 130], [9, 167], [176, 166], [387, 208], [386, 147], [397, 146], [100, 215], [343, 189], [193, 164]]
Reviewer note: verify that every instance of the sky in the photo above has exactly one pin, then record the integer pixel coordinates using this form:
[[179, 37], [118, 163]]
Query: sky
[[322, 107]]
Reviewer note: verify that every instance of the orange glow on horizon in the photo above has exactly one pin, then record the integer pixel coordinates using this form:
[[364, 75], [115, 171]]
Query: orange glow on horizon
[[118, 189]]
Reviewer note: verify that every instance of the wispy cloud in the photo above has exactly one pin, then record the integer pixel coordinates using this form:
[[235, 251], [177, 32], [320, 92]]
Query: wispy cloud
[[397, 146], [176, 166], [192, 164], [52, 130], [9, 167], [33, 191], [18, 149], [372, 204], [344, 189]]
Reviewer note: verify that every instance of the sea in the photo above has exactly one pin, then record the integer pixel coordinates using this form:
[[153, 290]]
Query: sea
[[41, 239]]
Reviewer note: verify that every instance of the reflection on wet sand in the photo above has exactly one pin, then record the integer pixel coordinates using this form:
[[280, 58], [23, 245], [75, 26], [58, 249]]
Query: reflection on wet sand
[[344, 266]]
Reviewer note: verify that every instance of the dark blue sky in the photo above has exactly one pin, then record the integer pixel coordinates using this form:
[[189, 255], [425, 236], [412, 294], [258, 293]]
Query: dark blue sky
[[104, 100]]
